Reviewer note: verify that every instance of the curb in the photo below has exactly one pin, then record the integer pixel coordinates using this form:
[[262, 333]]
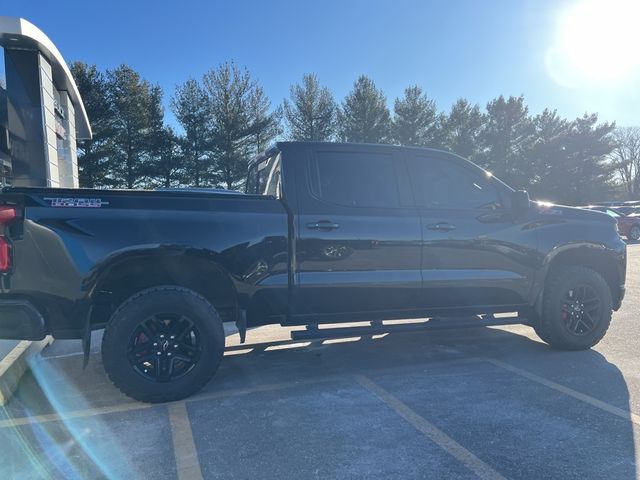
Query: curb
[[15, 364]]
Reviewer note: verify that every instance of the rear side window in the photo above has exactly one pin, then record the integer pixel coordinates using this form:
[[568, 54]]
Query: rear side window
[[264, 177], [355, 179], [440, 183]]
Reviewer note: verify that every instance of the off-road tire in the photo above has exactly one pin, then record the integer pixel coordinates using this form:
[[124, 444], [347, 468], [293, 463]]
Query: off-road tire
[[156, 300], [551, 326]]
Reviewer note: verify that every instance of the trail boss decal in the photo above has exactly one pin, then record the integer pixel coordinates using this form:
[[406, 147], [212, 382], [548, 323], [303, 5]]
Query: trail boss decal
[[77, 202]]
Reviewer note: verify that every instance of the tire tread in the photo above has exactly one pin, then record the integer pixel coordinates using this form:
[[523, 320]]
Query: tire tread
[[548, 328], [106, 342]]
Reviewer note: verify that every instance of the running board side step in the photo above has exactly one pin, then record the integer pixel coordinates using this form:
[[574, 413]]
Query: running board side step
[[375, 328]]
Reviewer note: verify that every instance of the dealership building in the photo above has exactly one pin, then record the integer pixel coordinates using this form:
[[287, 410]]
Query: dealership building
[[41, 116], [41, 111]]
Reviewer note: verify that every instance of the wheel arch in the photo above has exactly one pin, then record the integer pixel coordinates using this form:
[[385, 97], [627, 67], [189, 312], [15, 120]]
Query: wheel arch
[[596, 257], [133, 271]]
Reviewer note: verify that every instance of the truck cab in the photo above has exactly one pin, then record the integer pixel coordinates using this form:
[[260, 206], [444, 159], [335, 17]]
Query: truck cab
[[397, 232]]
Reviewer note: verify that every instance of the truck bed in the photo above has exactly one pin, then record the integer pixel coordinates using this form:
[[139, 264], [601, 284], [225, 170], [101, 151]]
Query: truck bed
[[72, 246]]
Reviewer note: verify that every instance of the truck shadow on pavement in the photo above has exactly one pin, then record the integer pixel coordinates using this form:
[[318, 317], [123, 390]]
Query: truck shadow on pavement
[[363, 407]]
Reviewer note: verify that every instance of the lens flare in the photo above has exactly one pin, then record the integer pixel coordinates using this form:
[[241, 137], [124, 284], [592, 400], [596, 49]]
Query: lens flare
[[596, 42], [68, 447]]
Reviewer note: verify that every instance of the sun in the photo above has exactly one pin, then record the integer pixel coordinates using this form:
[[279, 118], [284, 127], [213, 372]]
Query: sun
[[597, 41]]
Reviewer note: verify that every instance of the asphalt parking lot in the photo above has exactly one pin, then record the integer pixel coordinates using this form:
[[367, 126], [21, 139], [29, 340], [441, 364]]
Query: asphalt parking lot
[[487, 402]]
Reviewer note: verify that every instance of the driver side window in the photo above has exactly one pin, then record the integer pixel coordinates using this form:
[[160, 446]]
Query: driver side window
[[440, 183]]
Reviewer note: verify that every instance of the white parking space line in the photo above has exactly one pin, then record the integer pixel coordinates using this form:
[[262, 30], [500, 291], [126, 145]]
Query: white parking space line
[[126, 407], [184, 447], [89, 412], [129, 406], [436, 435], [625, 414], [63, 355]]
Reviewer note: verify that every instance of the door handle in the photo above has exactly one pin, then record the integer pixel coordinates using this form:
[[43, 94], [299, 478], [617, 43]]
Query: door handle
[[494, 217], [441, 227], [323, 225]]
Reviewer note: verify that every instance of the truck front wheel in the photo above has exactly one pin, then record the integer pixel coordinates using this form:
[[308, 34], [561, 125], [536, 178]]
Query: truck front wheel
[[163, 344], [577, 308]]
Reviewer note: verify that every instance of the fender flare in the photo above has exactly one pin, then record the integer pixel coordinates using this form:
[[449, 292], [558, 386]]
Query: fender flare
[[587, 248]]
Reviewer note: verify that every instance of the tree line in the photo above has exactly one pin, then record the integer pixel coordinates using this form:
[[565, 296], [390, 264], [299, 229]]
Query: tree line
[[225, 118]]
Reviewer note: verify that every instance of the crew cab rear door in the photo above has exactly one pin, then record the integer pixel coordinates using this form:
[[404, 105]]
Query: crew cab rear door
[[358, 234], [474, 252]]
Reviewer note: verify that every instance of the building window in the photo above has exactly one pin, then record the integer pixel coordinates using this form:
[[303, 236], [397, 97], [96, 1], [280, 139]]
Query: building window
[[5, 158]]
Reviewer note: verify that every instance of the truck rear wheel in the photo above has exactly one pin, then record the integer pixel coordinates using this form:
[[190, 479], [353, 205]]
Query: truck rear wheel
[[163, 344], [577, 309]]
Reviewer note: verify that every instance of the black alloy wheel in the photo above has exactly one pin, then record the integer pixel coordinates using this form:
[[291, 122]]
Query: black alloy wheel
[[164, 347], [163, 344], [581, 309], [576, 308]]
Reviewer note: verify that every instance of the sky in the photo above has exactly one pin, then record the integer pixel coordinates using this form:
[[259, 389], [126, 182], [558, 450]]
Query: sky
[[575, 56]]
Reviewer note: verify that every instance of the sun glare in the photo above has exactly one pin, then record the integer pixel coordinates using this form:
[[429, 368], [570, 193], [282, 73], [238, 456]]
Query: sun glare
[[597, 41]]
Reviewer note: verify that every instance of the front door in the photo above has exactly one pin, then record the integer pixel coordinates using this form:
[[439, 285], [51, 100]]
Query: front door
[[474, 252], [358, 234]]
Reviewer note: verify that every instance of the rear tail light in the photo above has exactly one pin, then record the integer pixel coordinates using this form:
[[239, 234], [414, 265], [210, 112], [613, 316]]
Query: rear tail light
[[8, 214], [5, 255]]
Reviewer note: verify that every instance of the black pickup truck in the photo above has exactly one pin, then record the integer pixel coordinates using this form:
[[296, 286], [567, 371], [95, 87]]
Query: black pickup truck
[[325, 233]]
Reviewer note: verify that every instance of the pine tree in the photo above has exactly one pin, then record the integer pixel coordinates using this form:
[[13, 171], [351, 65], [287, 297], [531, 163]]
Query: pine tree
[[191, 108], [415, 119], [94, 154], [364, 116], [228, 92], [228, 118], [585, 174], [132, 101], [163, 165], [548, 151], [461, 128], [506, 138], [264, 124], [310, 112]]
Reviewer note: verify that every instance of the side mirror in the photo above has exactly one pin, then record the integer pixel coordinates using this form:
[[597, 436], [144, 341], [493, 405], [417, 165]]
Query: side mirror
[[519, 202]]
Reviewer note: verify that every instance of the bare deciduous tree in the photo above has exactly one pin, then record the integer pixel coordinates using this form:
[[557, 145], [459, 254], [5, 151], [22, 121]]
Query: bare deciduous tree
[[626, 158]]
